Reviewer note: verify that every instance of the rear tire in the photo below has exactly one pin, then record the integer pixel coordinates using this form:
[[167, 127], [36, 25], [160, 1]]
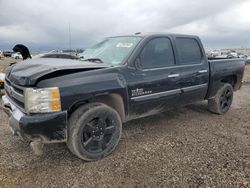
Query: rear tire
[[222, 101], [94, 131]]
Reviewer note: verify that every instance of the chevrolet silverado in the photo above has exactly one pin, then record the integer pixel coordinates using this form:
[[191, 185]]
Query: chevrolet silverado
[[84, 103]]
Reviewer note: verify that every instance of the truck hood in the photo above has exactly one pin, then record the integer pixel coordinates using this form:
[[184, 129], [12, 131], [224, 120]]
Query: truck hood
[[26, 73]]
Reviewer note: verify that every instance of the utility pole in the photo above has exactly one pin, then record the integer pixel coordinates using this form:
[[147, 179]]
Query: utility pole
[[69, 39]]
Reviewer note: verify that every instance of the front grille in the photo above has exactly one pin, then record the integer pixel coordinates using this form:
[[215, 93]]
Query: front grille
[[15, 93]]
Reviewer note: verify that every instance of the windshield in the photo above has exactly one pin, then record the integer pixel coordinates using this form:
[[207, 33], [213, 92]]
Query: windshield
[[111, 50]]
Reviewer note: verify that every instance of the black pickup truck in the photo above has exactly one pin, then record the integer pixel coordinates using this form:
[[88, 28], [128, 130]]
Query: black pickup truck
[[84, 103]]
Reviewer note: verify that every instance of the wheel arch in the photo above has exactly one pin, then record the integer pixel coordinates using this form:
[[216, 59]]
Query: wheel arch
[[215, 85], [112, 100], [232, 79]]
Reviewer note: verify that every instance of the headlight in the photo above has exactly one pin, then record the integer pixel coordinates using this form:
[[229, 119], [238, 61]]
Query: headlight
[[42, 100]]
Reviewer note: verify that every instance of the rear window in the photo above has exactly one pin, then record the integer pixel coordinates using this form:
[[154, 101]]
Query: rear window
[[188, 51]]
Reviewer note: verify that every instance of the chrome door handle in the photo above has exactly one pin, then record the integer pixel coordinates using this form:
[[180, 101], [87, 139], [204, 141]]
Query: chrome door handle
[[173, 75], [202, 71]]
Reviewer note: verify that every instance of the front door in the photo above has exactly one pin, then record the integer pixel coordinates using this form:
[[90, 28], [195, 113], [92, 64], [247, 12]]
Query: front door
[[155, 86]]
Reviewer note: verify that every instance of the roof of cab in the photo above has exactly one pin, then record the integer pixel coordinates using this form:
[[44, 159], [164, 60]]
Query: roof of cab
[[145, 35]]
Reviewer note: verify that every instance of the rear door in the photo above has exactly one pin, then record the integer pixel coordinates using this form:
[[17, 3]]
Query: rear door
[[155, 86], [194, 69]]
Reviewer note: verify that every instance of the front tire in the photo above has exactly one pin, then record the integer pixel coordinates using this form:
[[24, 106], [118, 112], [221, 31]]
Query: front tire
[[94, 131], [222, 101]]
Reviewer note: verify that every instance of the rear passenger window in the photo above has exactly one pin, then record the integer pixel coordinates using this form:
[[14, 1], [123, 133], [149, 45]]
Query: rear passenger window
[[157, 53], [188, 51]]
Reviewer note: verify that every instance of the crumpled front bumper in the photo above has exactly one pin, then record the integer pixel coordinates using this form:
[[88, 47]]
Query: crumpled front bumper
[[49, 127]]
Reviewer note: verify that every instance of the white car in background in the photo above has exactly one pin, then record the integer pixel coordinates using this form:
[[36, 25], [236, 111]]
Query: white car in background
[[17, 55], [2, 77], [248, 59]]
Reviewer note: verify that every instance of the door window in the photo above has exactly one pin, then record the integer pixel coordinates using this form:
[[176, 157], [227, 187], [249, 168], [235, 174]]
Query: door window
[[157, 53], [188, 51]]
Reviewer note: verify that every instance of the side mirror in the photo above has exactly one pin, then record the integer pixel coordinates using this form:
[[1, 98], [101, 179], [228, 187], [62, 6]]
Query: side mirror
[[138, 64]]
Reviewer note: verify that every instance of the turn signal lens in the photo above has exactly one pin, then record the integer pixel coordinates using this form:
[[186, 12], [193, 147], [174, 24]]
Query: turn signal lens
[[55, 105], [55, 94]]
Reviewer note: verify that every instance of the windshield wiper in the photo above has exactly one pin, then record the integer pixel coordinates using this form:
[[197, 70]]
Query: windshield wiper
[[96, 60]]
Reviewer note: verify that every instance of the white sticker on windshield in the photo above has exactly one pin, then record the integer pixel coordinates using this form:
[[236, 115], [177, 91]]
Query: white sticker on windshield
[[124, 45]]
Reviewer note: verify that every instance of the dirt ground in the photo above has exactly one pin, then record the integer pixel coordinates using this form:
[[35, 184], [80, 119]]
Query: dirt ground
[[188, 147]]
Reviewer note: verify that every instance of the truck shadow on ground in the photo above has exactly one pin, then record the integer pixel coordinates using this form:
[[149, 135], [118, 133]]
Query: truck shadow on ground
[[199, 107]]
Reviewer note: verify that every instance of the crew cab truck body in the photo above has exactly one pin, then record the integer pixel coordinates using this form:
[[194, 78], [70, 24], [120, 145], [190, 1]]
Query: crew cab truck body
[[84, 103]]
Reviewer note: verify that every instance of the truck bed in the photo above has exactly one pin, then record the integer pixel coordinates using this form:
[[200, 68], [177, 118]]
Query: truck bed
[[229, 69]]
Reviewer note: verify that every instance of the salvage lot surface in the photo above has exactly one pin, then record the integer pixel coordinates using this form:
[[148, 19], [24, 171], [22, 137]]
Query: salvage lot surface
[[183, 147]]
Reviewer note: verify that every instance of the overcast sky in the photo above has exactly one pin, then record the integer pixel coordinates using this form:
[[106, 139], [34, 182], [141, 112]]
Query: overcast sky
[[44, 24]]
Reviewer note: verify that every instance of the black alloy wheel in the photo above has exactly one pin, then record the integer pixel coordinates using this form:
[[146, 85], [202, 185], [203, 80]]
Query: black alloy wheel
[[94, 130], [97, 134], [226, 99], [223, 99]]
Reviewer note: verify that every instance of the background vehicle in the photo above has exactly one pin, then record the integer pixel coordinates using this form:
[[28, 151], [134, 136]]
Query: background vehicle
[[84, 103], [248, 59], [23, 50], [7, 54], [17, 55], [2, 76]]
